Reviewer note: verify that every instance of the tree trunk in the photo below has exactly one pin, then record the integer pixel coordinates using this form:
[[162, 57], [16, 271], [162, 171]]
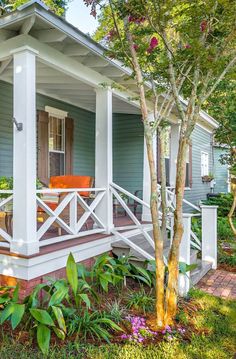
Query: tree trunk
[[232, 209], [157, 235], [173, 260], [161, 138]]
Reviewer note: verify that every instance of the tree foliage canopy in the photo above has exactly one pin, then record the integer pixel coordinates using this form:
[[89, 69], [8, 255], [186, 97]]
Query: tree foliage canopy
[[57, 6]]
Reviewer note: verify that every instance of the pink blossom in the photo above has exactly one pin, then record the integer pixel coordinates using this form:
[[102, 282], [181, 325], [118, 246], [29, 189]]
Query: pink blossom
[[135, 46], [203, 25], [136, 20], [187, 46], [153, 44]]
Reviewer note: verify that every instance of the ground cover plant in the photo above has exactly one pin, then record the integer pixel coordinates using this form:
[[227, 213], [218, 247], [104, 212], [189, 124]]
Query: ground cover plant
[[208, 331], [77, 318]]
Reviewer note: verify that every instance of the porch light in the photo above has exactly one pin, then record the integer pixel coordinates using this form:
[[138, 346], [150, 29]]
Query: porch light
[[19, 125]]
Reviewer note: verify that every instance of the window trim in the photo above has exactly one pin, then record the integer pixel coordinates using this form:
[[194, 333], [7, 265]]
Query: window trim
[[208, 164], [61, 115]]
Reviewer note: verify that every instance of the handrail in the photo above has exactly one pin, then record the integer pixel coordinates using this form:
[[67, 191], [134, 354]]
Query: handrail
[[7, 191], [135, 198], [69, 190]]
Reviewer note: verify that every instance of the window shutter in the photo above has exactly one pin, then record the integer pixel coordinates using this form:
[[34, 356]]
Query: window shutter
[[69, 139], [42, 147]]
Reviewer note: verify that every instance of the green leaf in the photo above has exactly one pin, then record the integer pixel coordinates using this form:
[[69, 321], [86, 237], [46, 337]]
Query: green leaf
[[71, 272], [85, 299], [43, 338], [16, 294], [19, 310], [59, 333], [59, 317], [58, 296], [184, 268], [42, 316], [7, 312]]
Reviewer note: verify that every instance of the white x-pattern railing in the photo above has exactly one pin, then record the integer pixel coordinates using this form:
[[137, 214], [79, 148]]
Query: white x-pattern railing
[[145, 229], [73, 199], [3, 203]]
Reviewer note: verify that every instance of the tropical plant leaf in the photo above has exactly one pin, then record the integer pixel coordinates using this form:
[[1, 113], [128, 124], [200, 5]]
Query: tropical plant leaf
[[184, 268], [7, 312], [71, 272], [85, 299], [58, 295], [42, 316], [17, 315], [59, 317], [59, 333], [43, 338], [16, 294]]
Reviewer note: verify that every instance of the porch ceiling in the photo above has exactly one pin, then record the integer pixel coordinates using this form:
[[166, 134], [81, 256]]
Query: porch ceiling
[[53, 83], [34, 20]]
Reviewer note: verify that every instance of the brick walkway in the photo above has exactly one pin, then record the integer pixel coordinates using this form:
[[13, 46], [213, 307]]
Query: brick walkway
[[219, 283]]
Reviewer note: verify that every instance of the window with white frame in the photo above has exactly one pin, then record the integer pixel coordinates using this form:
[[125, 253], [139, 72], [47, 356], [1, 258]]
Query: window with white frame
[[204, 164], [56, 141]]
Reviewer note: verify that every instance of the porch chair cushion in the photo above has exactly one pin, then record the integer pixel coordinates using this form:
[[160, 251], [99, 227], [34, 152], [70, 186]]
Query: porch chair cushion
[[72, 182]]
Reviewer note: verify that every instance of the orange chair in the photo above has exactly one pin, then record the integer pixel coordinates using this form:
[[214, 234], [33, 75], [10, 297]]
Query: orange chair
[[59, 182]]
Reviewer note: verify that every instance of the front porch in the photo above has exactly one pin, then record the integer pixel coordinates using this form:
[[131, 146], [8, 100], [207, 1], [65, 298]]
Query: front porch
[[57, 75]]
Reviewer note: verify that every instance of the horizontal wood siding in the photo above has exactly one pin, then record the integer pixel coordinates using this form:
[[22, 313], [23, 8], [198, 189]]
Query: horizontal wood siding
[[220, 171], [201, 141], [128, 151], [6, 129], [84, 132]]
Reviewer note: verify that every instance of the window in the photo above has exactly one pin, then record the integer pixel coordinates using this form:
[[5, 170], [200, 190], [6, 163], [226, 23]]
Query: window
[[204, 164], [56, 141]]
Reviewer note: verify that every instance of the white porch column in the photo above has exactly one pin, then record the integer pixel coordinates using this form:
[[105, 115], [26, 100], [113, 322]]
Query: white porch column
[[174, 146], [184, 255], [24, 153], [209, 234], [103, 155], [146, 214]]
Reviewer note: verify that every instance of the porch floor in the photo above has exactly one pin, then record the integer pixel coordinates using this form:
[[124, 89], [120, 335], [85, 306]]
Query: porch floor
[[119, 221]]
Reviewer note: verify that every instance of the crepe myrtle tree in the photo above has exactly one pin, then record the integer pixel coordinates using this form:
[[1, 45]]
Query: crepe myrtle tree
[[179, 52]]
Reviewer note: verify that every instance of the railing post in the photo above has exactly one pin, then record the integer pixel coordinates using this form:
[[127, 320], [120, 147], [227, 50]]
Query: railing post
[[209, 234], [184, 255], [24, 153]]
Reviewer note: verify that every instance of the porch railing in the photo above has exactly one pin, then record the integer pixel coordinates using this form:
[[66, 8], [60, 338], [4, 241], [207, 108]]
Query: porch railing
[[71, 223], [5, 202]]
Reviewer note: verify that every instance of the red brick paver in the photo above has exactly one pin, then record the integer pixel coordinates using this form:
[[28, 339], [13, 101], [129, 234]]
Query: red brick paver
[[219, 283]]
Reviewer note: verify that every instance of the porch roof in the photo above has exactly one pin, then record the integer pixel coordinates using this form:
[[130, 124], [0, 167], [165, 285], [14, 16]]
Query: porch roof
[[33, 23]]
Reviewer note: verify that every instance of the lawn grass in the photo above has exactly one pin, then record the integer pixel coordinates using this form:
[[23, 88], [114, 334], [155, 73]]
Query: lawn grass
[[215, 338]]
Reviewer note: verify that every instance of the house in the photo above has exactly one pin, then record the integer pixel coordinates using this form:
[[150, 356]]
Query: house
[[60, 113], [221, 171]]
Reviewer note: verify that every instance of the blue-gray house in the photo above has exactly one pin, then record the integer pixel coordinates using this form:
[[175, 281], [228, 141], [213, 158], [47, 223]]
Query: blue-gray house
[[67, 124]]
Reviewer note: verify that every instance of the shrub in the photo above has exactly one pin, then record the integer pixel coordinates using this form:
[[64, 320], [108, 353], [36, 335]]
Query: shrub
[[224, 230], [93, 325], [224, 203], [140, 300], [116, 310]]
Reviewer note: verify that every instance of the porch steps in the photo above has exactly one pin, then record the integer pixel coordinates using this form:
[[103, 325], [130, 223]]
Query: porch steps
[[198, 273], [120, 248]]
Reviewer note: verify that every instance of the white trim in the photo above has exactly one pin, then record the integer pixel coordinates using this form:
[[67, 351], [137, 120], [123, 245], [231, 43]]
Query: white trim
[[204, 128], [55, 112], [208, 164], [24, 268], [23, 49]]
